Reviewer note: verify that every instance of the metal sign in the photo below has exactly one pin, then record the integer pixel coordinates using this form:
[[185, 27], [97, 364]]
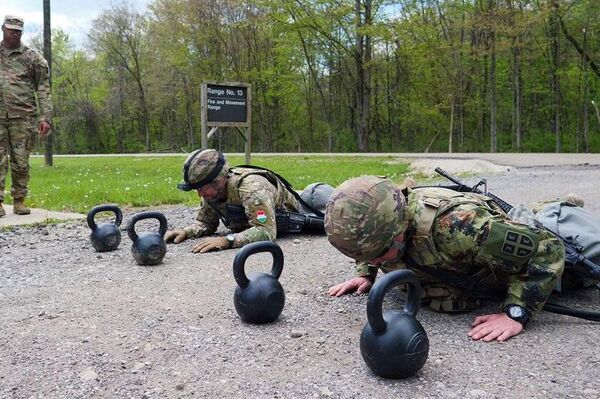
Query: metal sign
[[227, 105]]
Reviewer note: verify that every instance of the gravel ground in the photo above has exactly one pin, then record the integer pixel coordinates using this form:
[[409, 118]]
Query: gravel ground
[[75, 323]]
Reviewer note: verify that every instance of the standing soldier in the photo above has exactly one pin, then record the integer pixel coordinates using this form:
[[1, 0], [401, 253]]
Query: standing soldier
[[23, 77], [461, 245]]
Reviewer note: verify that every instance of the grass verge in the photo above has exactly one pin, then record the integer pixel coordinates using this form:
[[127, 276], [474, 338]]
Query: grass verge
[[76, 184]]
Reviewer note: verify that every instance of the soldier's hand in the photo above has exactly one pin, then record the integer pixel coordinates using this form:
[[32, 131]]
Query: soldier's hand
[[175, 236], [43, 128], [359, 284], [210, 244], [496, 326]]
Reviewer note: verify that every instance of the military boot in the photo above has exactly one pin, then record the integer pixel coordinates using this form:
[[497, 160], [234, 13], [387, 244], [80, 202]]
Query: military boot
[[2, 211], [19, 207]]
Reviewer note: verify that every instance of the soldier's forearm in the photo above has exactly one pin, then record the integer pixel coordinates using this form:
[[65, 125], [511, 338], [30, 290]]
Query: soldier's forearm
[[532, 288], [254, 234], [198, 230], [365, 269], [45, 102]]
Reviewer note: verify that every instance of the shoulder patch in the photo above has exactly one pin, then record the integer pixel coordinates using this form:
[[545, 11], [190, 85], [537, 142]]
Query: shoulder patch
[[514, 243], [261, 216], [517, 244]]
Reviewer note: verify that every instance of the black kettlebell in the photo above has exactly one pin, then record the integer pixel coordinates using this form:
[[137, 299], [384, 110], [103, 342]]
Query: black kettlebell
[[258, 298], [107, 236], [148, 248], [394, 345]]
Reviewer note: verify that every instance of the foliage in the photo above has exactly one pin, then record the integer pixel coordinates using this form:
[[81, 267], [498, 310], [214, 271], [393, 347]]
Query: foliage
[[322, 69]]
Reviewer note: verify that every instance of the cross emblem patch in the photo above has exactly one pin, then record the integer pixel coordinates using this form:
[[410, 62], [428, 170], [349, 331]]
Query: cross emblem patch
[[517, 244]]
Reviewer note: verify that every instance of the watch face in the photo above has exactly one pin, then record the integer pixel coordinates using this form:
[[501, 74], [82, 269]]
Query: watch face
[[516, 311], [230, 237]]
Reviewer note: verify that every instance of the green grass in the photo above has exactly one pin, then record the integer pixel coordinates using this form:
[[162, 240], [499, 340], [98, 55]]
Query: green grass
[[77, 184]]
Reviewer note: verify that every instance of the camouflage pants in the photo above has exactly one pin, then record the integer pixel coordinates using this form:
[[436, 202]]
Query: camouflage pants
[[17, 137]]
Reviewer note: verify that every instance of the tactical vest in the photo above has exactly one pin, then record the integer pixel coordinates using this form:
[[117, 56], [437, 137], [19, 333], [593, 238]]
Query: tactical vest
[[424, 206], [237, 175], [235, 214]]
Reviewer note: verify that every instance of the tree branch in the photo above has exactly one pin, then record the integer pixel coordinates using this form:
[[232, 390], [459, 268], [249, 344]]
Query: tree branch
[[581, 52]]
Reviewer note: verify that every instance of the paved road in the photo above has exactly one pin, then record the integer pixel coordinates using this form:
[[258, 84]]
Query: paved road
[[512, 159], [75, 323]]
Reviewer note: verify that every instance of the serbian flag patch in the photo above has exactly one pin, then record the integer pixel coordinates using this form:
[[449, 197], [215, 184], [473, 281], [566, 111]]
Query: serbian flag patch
[[261, 217]]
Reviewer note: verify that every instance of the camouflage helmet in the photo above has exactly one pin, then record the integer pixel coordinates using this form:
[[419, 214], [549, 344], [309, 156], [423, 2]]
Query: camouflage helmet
[[364, 215], [201, 168]]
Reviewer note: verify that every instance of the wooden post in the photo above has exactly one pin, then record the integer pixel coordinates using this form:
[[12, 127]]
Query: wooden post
[[249, 127], [203, 127]]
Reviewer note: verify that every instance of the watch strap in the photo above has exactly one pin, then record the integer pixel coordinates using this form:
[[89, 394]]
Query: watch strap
[[523, 319]]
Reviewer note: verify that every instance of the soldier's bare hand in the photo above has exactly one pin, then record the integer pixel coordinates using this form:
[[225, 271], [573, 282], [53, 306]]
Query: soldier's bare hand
[[498, 327], [175, 236], [43, 128], [359, 284], [210, 244]]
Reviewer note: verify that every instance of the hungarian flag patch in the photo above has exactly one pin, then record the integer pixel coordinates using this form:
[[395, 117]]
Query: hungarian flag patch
[[261, 216]]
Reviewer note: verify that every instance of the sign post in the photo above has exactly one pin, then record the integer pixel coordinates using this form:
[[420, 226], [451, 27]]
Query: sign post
[[226, 104]]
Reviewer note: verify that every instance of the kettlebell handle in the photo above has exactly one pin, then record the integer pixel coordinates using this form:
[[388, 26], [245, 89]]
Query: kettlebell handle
[[256, 247], [382, 286], [162, 229], [101, 208]]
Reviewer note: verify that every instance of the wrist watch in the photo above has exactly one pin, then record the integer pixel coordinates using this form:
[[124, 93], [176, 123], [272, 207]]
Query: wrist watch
[[517, 313], [230, 240]]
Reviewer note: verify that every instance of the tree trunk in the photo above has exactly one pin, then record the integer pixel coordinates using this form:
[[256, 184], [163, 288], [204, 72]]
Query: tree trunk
[[517, 82], [461, 82], [48, 56], [597, 111], [189, 113], [362, 57], [122, 128], [493, 98], [450, 134], [555, 52], [586, 94]]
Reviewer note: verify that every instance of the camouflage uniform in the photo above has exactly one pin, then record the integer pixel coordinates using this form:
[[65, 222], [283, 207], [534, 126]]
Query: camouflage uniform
[[462, 233], [249, 209], [23, 77]]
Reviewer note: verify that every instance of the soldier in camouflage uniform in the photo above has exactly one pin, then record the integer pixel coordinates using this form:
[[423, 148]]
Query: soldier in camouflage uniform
[[244, 199], [23, 77], [437, 233]]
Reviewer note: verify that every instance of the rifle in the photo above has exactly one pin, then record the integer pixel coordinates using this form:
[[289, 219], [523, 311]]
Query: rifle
[[293, 222], [574, 260], [573, 257]]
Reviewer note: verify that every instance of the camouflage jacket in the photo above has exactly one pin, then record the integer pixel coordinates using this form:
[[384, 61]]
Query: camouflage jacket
[[468, 234], [23, 76], [257, 194]]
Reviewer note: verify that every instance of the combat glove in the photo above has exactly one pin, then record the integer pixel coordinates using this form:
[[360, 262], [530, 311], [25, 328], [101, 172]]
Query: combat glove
[[175, 236], [207, 244]]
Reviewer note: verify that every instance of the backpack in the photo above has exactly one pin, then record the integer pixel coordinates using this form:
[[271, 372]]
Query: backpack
[[574, 224]]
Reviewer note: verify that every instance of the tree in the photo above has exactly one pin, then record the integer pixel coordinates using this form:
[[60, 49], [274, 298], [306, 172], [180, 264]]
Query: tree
[[119, 32]]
